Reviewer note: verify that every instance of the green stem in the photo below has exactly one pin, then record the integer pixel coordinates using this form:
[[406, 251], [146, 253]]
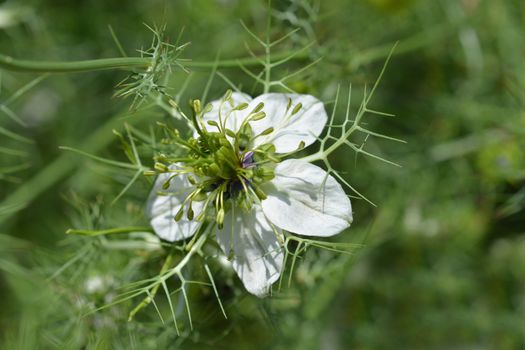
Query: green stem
[[14, 64], [109, 231], [11, 63]]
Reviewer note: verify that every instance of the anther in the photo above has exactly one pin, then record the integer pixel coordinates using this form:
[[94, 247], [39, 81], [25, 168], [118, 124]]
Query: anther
[[267, 131], [258, 116], [230, 133], [179, 214], [196, 105], [220, 218], [190, 212], [228, 96], [161, 167], [297, 108], [241, 106], [258, 108], [208, 108], [260, 194]]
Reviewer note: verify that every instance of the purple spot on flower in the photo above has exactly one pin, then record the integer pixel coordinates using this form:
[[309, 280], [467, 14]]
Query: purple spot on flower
[[247, 160]]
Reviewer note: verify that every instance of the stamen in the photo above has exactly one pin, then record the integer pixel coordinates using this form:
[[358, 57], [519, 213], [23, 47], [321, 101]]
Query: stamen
[[161, 167], [179, 214], [297, 108], [267, 131], [190, 212], [167, 183], [258, 108]]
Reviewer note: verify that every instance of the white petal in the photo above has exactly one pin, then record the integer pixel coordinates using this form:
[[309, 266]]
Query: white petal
[[304, 199], [234, 120], [161, 209], [289, 130], [257, 255]]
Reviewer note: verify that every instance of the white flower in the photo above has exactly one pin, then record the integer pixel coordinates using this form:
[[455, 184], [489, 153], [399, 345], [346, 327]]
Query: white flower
[[298, 197]]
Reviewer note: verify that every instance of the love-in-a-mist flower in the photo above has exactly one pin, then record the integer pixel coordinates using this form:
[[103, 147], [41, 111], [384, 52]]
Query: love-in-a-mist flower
[[237, 176]]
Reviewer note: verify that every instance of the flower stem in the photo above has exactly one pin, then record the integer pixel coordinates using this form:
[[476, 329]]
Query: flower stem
[[14, 64], [108, 231]]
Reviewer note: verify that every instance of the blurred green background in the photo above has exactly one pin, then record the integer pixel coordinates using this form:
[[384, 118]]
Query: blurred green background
[[444, 256]]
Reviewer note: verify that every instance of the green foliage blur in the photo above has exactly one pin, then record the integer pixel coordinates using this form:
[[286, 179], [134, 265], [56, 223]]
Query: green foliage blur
[[444, 250]]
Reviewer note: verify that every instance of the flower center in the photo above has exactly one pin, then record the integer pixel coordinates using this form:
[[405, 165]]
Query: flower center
[[223, 167]]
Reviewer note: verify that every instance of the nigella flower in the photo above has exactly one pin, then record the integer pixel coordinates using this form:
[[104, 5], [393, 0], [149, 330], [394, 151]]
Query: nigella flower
[[237, 176]]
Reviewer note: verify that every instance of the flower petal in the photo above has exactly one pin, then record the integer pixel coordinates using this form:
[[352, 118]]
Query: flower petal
[[234, 120], [161, 209], [289, 130], [257, 255], [304, 199]]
